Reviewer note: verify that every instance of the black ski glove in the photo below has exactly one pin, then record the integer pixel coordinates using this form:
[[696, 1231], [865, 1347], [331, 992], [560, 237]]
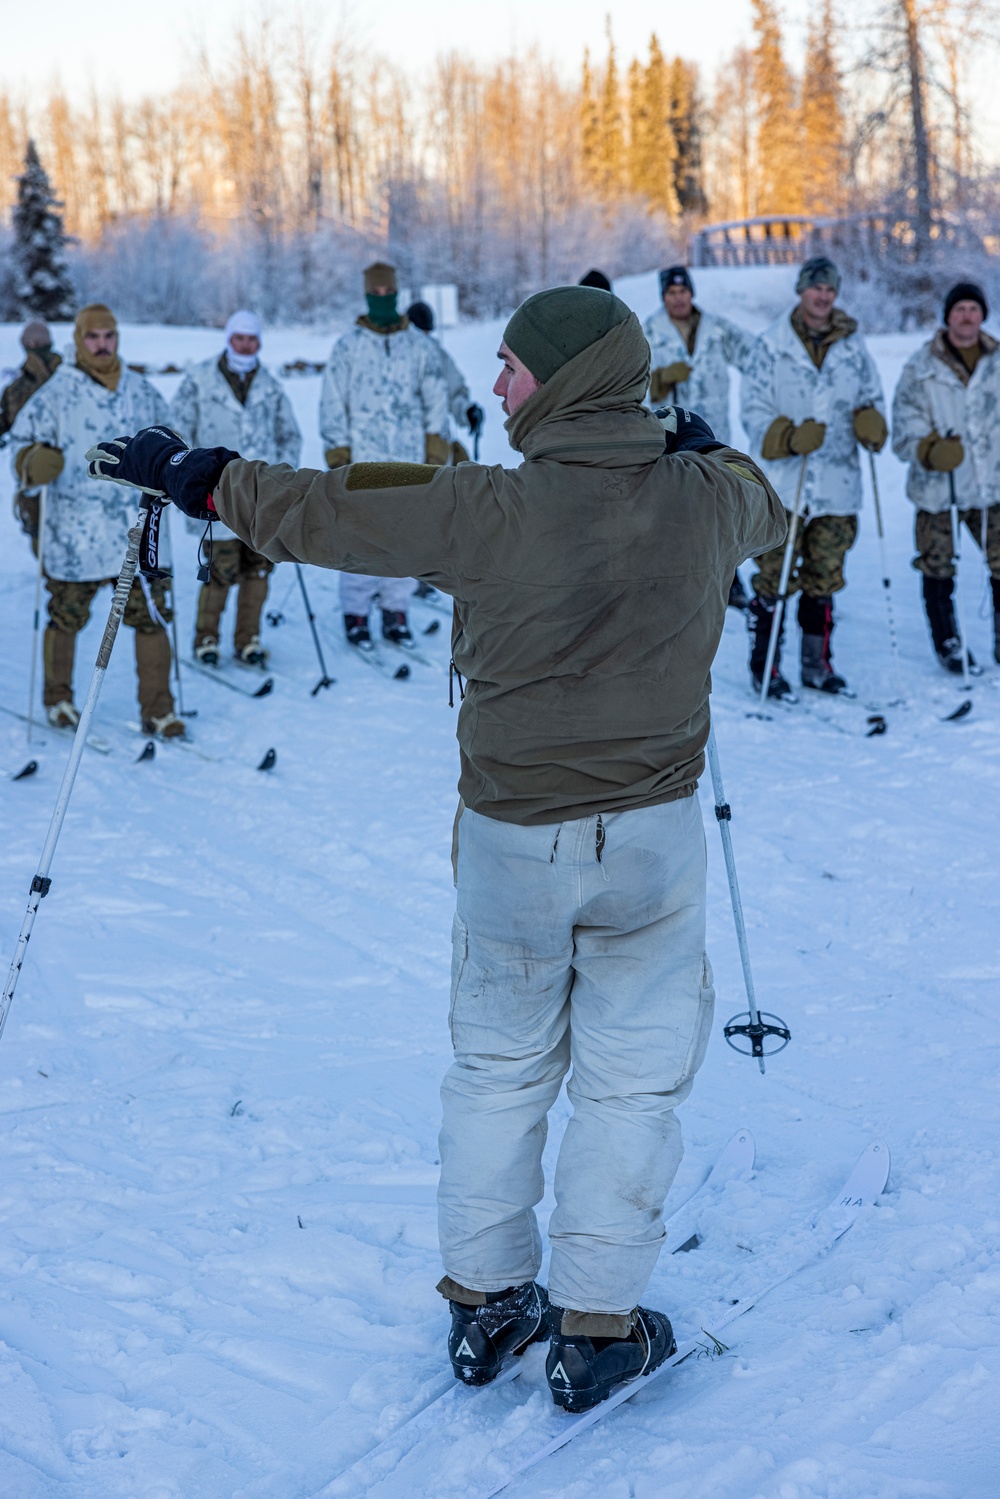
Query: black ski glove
[[687, 432], [475, 416], [159, 462]]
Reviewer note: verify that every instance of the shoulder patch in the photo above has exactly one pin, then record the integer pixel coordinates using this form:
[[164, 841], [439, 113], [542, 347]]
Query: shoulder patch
[[389, 475], [743, 471]]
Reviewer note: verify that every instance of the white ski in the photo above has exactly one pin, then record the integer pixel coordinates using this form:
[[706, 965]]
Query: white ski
[[447, 1395], [94, 741], [218, 675], [861, 1189], [369, 654]]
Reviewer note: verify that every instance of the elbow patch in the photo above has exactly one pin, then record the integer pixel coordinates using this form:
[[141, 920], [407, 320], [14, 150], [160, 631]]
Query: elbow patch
[[743, 471], [389, 475]]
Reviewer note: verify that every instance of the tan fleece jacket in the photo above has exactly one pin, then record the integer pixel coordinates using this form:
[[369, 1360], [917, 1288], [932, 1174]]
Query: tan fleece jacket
[[590, 583]]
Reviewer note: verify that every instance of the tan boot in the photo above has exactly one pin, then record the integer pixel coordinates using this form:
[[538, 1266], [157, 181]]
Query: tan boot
[[58, 654], [211, 602], [167, 727], [152, 662], [250, 601]]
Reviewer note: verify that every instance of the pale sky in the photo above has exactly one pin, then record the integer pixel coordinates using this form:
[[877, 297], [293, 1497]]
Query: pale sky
[[140, 47]]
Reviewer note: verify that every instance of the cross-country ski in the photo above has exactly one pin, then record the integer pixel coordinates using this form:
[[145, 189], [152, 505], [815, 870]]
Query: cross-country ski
[[574, 451]]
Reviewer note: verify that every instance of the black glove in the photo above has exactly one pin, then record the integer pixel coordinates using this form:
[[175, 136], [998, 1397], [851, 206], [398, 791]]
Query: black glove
[[159, 462], [475, 416], [687, 432]]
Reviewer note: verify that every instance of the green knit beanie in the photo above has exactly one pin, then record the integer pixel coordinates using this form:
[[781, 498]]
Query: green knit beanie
[[552, 327]]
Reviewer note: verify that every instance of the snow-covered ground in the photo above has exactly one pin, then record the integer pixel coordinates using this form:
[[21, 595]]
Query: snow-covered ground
[[219, 1080]]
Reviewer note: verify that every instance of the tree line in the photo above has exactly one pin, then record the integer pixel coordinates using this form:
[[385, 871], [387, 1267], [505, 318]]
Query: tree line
[[299, 158]]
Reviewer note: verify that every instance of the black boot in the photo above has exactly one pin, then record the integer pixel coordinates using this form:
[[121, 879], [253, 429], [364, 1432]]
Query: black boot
[[737, 594], [582, 1371], [941, 618], [816, 623], [395, 628], [760, 618], [483, 1337], [356, 626]]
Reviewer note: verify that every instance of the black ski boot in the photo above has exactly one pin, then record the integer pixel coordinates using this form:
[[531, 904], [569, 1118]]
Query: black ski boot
[[482, 1338], [816, 622], [944, 630], [582, 1371], [760, 618], [356, 626], [395, 628], [737, 594]]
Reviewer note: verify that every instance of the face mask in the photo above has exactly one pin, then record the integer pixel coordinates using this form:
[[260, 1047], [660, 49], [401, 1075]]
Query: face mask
[[241, 364], [382, 310]]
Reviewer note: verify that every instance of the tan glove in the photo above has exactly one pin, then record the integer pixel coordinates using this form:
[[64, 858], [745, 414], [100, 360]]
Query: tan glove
[[870, 428], [337, 457], [941, 454], [665, 377], [807, 437], [777, 439], [436, 450], [458, 454], [39, 464]]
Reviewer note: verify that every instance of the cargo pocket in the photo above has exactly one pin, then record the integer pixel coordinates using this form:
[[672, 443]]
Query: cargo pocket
[[702, 1028], [459, 958]]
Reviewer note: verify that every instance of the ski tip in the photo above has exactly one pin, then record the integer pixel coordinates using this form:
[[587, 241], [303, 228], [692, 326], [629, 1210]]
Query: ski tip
[[876, 725], [269, 760], [401, 675], [433, 627], [148, 752], [962, 711], [265, 687], [26, 771]]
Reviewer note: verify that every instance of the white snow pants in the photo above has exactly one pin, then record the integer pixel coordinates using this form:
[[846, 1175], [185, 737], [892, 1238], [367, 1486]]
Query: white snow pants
[[358, 592], [576, 944]]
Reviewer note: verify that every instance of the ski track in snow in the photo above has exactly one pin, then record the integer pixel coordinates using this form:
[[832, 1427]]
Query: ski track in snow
[[232, 1022]]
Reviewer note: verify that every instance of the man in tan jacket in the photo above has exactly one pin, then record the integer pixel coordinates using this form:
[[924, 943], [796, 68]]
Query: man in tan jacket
[[590, 588]]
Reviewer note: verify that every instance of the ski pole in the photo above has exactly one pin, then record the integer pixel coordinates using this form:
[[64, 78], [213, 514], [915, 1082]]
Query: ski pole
[[786, 568], [752, 1026], [184, 712], [42, 881], [956, 549], [38, 607], [886, 585], [325, 680]]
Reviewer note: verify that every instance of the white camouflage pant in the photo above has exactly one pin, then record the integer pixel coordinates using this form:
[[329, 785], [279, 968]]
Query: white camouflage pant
[[562, 958], [358, 592]]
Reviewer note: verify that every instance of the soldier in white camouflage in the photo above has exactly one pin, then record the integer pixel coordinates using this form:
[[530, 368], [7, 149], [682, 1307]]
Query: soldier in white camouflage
[[384, 399], [40, 364], [234, 401], [86, 523], [691, 352], [811, 396], [946, 426], [465, 413]]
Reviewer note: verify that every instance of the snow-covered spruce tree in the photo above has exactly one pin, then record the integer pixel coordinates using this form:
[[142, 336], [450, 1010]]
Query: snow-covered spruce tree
[[44, 287]]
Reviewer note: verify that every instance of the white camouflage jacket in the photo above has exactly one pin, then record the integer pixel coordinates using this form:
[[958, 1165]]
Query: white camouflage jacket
[[718, 344], [206, 412], [930, 397], [86, 520], [382, 394], [782, 380], [459, 399]]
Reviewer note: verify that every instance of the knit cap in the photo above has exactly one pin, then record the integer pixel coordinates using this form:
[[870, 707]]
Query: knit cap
[[552, 327], [244, 322], [36, 335], [819, 270], [380, 274], [676, 275], [965, 291]]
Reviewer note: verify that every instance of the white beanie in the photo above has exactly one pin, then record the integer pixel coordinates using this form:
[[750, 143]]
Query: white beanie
[[248, 324]]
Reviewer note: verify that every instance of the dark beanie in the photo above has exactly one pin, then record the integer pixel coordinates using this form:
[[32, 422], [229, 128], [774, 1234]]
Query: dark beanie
[[596, 278], [552, 327], [421, 316], [676, 275], [965, 291], [818, 271]]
